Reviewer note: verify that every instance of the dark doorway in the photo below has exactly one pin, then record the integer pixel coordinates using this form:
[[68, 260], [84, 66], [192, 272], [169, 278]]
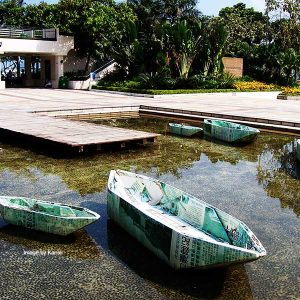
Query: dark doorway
[[47, 71]]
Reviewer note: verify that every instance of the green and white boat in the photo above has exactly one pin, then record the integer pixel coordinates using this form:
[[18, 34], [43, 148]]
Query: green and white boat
[[229, 132], [182, 230], [184, 130], [298, 149], [45, 216]]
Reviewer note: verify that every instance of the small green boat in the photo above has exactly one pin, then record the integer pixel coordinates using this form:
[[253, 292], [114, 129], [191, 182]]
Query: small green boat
[[184, 130], [182, 230], [229, 132], [298, 149], [45, 216]]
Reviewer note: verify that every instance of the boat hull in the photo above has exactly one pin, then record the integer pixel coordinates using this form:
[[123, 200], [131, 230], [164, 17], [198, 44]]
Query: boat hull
[[229, 132], [184, 130], [60, 225], [178, 249]]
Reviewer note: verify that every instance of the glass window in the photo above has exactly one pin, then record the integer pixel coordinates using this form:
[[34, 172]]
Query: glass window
[[35, 67]]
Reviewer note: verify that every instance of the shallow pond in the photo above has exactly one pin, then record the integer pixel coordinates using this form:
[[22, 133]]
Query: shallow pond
[[258, 183]]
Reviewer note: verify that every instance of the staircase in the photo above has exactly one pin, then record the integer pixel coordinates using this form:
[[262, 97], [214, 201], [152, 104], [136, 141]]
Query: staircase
[[93, 77]]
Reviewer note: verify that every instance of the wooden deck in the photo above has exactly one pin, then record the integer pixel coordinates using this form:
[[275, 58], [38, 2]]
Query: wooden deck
[[72, 135]]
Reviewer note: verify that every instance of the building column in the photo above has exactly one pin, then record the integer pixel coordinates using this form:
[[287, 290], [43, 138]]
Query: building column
[[43, 79], [18, 67], [2, 83], [27, 81], [58, 70]]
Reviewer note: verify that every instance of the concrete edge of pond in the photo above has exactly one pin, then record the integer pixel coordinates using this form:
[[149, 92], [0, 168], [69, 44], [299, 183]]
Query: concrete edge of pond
[[198, 116], [254, 94], [286, 97]]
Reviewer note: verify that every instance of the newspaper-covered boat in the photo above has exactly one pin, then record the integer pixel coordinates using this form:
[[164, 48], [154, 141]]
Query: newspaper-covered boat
[[229, 132], [184, 130], [45, 216], [298, 149], [182, 230]]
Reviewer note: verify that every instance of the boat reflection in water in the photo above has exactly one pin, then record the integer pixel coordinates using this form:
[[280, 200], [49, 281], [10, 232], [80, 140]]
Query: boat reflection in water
[[297, 169], [78, 245], [213, 283]]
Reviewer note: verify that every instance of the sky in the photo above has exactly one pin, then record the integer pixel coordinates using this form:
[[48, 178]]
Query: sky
[[211, 7], [207, 7]]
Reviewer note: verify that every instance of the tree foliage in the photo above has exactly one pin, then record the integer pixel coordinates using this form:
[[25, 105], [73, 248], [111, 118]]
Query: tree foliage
[[289, 62], [289, 9], [245, 26], [96, 25], [182, 45], [171, 39]]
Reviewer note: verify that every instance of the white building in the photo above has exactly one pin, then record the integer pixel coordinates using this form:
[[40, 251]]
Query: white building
[[43, 53]]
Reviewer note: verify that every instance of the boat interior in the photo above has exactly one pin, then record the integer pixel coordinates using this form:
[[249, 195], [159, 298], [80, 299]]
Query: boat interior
[[48, 208], [198, 214], [226, 124]]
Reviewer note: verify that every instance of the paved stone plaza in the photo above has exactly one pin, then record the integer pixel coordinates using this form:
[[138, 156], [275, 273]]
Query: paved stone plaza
[[258, 105], [251, 104]]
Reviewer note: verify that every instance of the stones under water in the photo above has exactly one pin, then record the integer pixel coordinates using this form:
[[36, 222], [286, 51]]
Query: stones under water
[[257, 183]]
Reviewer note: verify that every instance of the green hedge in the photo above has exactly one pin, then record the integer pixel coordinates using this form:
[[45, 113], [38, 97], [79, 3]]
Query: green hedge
[[162, 92]]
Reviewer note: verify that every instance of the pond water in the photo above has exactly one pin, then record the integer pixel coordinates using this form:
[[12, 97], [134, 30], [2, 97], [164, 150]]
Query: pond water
[[258, 183]]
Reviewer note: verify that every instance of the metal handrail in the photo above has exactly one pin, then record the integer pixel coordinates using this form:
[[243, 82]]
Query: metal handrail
[[32, 34], [104, 66], [110, 62]]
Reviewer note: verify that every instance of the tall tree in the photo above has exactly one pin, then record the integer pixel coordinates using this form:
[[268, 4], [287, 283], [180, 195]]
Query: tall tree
[[216, 38], [128, 52], [180, 9], [11, 14], [284, 9], [170, 10], [183, 45], [94, 24], [285, 29], [244, 25], [289, 62], [150, 15]]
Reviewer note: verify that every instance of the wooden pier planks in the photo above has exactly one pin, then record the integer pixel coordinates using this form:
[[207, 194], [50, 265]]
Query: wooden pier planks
[[69, 133]]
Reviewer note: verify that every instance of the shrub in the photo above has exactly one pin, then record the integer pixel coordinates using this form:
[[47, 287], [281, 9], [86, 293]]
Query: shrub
[[194, 82], [131, 84], [211, 83], [122, 84], [157, 80], [291, 90], [246, 78], [197, 81], [226, 80], [119, 74], [254, 86], [223, 81]]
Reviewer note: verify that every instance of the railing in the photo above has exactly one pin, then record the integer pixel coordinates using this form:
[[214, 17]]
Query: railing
[[32, 34], [103, 67]]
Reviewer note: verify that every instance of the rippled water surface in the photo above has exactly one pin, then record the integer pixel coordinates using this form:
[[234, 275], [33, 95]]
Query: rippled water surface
[[258, 183]]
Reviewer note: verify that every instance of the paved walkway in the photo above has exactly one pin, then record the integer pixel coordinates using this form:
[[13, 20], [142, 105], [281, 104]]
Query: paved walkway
[[254, 105], [264, 105]]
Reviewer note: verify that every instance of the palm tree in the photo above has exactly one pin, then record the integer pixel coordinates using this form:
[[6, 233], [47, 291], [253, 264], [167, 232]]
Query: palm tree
[[183, 45], [289, 62], [216, 39], [129, 52]]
